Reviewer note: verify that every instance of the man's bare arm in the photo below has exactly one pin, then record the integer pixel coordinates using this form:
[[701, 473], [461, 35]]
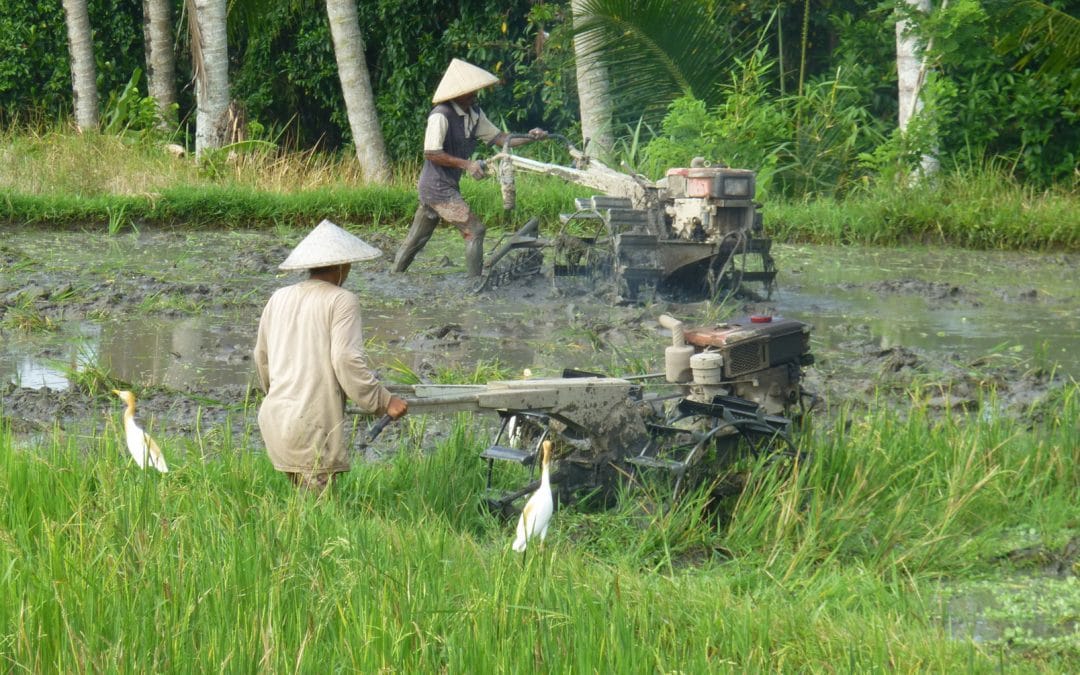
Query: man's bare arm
[[443, 158], [534, 135]]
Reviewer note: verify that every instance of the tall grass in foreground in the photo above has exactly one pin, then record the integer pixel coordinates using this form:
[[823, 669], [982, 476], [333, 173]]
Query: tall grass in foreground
[[221, 566]]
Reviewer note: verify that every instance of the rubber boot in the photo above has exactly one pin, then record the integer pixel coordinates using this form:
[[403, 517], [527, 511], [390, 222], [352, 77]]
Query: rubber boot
[[474, 254], [423, 225]]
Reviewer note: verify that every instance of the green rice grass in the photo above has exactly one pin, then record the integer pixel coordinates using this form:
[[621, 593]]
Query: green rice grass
[[978, 209], [46, 178], [221, 566]]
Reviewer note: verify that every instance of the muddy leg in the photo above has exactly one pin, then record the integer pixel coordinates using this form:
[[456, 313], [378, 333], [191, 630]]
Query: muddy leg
[[314, 483], [423, 225], [474, 246]]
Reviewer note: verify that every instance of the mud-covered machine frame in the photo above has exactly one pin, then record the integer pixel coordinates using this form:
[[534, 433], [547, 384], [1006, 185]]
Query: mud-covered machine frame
[[727, 391], [694, 234]]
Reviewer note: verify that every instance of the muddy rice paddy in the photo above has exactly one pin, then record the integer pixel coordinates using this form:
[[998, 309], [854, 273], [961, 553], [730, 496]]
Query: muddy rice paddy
[[173, 314]]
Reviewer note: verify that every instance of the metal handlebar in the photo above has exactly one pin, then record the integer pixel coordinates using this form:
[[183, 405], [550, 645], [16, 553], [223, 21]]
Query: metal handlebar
[[550, 137], [505, 169]]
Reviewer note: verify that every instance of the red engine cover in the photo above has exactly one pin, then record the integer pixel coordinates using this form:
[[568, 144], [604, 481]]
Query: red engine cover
[[742, 329]]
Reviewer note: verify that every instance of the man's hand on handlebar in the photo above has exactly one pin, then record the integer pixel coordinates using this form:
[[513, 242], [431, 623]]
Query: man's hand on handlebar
[[397, 407], [537, 134], [475, 169]]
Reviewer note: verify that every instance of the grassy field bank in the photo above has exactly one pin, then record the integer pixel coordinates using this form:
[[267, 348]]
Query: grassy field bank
[[60, 179], [220, 566]]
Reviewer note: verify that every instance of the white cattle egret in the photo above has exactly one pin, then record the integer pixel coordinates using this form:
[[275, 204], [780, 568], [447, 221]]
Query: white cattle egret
[[537, 512], [139, 443]]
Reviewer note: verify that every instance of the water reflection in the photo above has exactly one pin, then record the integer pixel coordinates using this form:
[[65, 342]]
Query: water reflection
[[37, 375], [185, 354], [182, 354], [967, 303], [199, 353]]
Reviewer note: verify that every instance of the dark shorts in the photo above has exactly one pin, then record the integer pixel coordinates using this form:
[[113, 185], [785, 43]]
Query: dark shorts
[[457, 213]]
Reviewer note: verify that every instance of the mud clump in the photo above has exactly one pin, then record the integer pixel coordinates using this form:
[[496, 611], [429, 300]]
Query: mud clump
[[264, 261], [945, 383], [434, 315], [896, 359], [935, 292], [29, 410], [1061, 562], [32, 410]]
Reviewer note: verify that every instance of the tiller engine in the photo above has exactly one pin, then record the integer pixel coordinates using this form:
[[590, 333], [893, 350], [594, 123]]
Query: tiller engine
[[690, 235], [728, 391]]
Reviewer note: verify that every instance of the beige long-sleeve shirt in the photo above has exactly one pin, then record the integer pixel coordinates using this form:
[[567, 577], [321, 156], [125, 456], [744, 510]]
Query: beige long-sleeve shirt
[[309, 355]]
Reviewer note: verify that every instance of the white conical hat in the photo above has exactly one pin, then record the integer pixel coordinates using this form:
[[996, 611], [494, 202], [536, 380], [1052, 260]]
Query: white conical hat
[[461, 78], [328, 245]]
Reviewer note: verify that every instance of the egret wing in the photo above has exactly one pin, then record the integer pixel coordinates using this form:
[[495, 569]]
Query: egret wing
[[156, 456], [136, 443], [524, 526]]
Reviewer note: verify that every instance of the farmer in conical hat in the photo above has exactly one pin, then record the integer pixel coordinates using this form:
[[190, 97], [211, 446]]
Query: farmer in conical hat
[[454, 126], [309, 355]]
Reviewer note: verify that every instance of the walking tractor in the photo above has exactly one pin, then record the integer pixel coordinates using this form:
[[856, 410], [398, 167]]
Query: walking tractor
[[728, 391], [693, 234]]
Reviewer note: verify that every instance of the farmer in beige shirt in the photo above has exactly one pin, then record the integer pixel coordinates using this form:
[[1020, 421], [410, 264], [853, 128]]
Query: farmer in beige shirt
[[309, 355]]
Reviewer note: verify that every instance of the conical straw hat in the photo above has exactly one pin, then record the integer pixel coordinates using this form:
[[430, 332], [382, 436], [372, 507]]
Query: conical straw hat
[[328, 245], [461, 78]]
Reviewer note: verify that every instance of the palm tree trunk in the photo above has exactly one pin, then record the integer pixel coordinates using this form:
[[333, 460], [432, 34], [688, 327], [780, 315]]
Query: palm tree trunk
[[210, 53], [83, 69], [911, 74], [356, 89], [160, 58], [594, 94]]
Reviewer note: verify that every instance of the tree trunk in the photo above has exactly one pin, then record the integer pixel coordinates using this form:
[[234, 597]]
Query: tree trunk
[[83, 69], [911, 74], [210, 53], [356, 89], [594, 94], [160, 58]]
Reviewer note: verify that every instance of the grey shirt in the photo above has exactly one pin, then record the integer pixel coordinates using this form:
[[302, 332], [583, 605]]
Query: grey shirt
[[455, 132]]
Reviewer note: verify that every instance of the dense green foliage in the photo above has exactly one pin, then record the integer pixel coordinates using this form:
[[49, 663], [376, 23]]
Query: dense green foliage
[[283, 68], [836, 126], [220, 565], [808, 97], [35, 72], [288, 76], [984, 107]]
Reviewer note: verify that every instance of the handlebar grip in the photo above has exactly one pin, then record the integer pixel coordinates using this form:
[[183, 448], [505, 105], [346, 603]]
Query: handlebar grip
[[676, 328], [377, 428], [669, 322]]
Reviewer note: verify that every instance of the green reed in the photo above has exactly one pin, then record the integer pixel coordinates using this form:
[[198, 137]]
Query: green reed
[[45, 178], [221, 566]]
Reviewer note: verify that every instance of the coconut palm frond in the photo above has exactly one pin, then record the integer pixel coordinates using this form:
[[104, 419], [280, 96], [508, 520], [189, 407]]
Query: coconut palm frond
[[248, 16], [198, 65], [659, 50], [1050, 34]]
